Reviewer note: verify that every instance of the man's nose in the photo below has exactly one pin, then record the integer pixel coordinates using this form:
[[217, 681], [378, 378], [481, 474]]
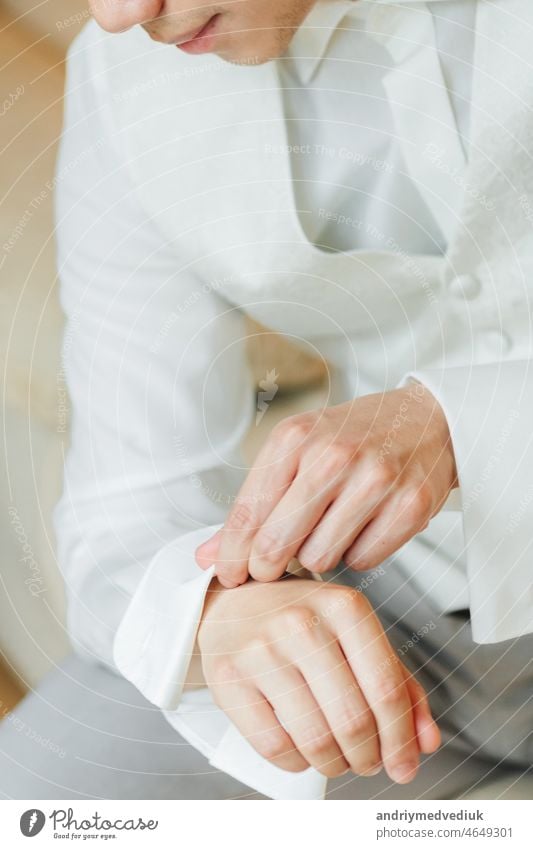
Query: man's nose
[[118, 15]]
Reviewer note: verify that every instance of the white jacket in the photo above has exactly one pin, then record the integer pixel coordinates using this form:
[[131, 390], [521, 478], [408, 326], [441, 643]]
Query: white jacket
[[186, 164]]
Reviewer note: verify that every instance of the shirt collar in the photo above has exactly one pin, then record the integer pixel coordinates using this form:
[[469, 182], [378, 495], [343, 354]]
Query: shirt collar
[[310, 43]]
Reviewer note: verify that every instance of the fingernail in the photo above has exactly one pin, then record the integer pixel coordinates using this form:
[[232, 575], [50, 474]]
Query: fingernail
[[403, 773]]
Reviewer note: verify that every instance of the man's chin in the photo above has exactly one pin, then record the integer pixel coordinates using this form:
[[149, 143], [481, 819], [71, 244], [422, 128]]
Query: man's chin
[[247, 54], [245, 60]]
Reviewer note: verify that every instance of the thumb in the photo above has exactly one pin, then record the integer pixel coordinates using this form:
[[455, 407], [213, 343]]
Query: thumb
[[207, 552]]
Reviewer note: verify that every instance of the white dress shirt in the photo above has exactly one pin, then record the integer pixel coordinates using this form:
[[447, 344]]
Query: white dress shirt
[[155, 352]]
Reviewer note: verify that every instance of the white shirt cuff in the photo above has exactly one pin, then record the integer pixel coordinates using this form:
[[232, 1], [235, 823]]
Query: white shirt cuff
[[153, 648]]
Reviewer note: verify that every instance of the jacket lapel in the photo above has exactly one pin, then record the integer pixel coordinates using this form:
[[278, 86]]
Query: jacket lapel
[[500, 171], [423, 115], [496, 232]]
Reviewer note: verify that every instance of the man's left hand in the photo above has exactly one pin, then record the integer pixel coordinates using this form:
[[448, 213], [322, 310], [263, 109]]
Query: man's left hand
[[352, 482]]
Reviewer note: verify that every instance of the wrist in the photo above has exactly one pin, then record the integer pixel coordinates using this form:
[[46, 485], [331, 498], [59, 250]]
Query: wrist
[[440, 432]]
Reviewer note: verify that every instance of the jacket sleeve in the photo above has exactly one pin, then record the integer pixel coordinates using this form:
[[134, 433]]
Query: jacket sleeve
[[489, 409], [154, 361]]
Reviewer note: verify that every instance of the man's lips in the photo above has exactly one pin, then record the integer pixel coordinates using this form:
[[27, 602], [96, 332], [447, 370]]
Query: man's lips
[[192, 39]]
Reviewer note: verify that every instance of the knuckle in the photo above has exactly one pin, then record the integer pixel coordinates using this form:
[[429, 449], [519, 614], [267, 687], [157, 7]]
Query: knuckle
[[415, 504], [225, 671], [335, 458], [240, 518], [357, 603], [336, 600], [271, 744], [294, 619], [356, 725], [381, 481], [291, 430], [266, 547], [310, 486], [315, 741], [390, 690], [259, 646]]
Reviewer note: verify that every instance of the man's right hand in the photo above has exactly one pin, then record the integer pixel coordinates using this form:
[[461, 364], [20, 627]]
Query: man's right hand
[[308, 676]]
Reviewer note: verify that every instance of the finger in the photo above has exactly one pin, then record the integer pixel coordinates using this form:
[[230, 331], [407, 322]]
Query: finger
[[265, 486], [380, 676], [343, 521], [207, 553], [299, 713], [254, 717], [400, 518], [286, 528], [342, 702], [427, 730]]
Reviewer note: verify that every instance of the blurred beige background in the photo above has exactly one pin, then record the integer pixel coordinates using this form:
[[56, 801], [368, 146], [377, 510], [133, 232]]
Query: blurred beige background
[[33, 38], [32, 44]]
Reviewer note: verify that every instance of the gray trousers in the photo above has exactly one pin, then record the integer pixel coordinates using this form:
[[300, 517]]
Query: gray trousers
[[87, 733]]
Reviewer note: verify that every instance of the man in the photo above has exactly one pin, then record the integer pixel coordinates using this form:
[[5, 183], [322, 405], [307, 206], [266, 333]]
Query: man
[[354, 174]]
